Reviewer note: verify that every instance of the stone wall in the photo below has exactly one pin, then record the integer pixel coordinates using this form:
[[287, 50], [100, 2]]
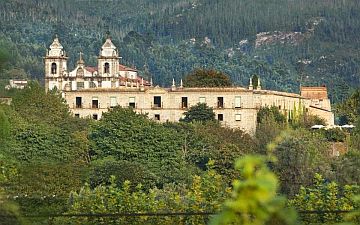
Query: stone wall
[[236, 106]]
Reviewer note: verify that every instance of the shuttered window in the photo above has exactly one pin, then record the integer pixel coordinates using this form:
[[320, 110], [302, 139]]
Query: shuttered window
[[237, 102], [113, 102]]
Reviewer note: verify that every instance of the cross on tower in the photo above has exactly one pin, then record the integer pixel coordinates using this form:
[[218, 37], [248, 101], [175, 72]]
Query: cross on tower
[[80, 53]]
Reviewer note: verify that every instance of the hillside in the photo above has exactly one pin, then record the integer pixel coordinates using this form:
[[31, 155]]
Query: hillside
[[307, 42]]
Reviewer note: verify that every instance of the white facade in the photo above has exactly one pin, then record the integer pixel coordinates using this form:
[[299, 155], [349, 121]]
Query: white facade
[[91, 91], [109, 73]]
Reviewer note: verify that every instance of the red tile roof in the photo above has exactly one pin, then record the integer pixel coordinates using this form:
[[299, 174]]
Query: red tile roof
[[91, 69], [125, 68]]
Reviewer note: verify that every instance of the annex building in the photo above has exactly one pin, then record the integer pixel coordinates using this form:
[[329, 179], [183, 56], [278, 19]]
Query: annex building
[[91, 91]]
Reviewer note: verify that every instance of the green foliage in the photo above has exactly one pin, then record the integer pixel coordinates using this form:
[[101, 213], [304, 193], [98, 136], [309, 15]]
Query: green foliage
[[4, 127], [221, 144], [4, 55], [123, 171], [300, 154], [268, 113], [335, 135], [353, 217], [254, 200], [168, 37], [206, 78], [349, 110], [199, 113], [43, 188], [9, 211], [128, 136], [270, 123], [307, 121], [347, 167], [324, 196], [35, 105], [203, 194]]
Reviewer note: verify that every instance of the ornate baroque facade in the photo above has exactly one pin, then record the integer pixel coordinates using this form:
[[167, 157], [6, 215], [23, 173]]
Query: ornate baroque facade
[[91, 91]]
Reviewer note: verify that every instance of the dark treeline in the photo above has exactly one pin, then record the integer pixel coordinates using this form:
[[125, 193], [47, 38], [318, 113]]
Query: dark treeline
[[166, 39]]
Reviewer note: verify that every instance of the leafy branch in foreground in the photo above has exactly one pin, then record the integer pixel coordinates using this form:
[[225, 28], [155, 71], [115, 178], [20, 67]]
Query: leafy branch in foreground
[[254, 200]]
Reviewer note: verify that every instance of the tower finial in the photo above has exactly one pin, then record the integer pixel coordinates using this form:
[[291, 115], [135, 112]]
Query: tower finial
[[81, 61], [173, 86], [251, 87], [258, 86], [181, 83], [151, 82]]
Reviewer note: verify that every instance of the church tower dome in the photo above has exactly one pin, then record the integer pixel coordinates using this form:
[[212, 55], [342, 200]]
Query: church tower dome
[[55, 65], [108, 60]]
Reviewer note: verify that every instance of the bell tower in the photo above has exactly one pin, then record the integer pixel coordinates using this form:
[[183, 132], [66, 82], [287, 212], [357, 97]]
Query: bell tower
[[55, 65], [108, 60]]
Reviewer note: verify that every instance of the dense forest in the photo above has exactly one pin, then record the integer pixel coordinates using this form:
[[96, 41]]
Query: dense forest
[[287, 43]]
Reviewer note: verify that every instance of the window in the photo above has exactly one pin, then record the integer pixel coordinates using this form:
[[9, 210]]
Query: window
[[184, 102], [157, 101], [106, 67], [78, 102], [202, 100], [220, 102], [237, 102], [95, 103], [113, 102], [132, 102], [157, 116], [92, 84], [95, 116], [77, 115], [221, 117], [79, 85], [53, 68], [237, 117]]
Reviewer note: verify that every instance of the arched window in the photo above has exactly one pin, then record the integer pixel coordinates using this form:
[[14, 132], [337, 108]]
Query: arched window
[[106, 67], [53, 68]]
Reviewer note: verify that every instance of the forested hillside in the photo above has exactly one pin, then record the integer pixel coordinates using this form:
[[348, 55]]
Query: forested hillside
[[309, 42]]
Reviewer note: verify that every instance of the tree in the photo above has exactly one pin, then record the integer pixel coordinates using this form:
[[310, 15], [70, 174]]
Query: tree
[[128, 136], [347, 167], [203, 194], [9, 211], [4, 56], [199, 113], [270, 123], [123, 171], [34, 104], [254, 200], [349, 110], [324, 196], [4, 127], [300, 155], [207, 78], [266, 113]]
